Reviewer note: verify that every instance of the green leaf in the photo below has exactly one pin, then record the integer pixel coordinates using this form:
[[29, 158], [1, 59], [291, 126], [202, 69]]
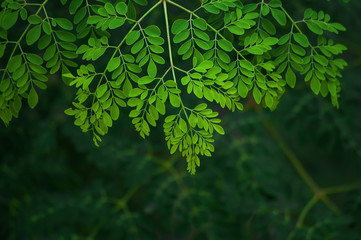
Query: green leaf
[[101, 90], [116, 23], [331, 87], [338, 26], [193, 120], [121, 8], [65, 36], [14, 63], [145, 80], [308, 13], [268, 26], [200, 107], [270, 41], [160, 107], [198, 91], [107, 119], [183, 125], [132, 37], [135, 92], [225, 45], [9, 20], [321, 60], [200, 23], [137, 46], [74, 6], [180, 37], [314, 28], [211, 9], [185, 80], [236, 30], [64, 23], [279, 15], [49, 52], [33, 58], [114, 112], [174, 100], [202, 44], [201, 34], [256, 50], [152, 69], [275, 3], [113, 64], [34, 19], [179, 25], [290, 77], [33, 98], [242, 89], [152, 31], [2, 50], [70, 112], [170, 118], [269, 100], [109, 8], [185, 47], [218, 129], [4, 84], [33, 35], [246, 64], [206, 64], [301, 39], [257, 95], [315, 85]]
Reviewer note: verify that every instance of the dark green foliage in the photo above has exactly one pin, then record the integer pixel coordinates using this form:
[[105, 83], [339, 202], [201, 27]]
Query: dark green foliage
[[54, 184], [58, 186]]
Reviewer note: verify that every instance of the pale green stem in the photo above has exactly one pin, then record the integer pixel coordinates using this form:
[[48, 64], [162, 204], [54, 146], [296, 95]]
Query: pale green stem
[[169, 40], [170, 52]]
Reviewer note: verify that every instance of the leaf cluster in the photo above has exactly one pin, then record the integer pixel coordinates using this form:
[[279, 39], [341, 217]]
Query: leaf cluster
[[223, 53]]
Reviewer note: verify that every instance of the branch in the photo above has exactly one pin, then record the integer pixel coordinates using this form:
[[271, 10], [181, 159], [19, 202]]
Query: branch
[[300, 168]]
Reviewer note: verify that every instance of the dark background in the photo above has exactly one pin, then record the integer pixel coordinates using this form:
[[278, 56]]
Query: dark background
[[55, 184]]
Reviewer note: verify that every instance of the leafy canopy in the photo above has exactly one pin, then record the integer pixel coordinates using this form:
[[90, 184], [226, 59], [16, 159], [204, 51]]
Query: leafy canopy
[[224, 52]]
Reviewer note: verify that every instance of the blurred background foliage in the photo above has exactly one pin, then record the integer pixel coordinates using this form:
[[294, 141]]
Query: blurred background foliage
[[54, 184]]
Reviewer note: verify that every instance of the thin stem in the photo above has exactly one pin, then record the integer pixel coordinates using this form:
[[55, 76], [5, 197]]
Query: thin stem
[[260, 16], [341, 189], [305, 211], [170, 52], [169, 40], [291, 19], [191, 130], [303, 215]]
